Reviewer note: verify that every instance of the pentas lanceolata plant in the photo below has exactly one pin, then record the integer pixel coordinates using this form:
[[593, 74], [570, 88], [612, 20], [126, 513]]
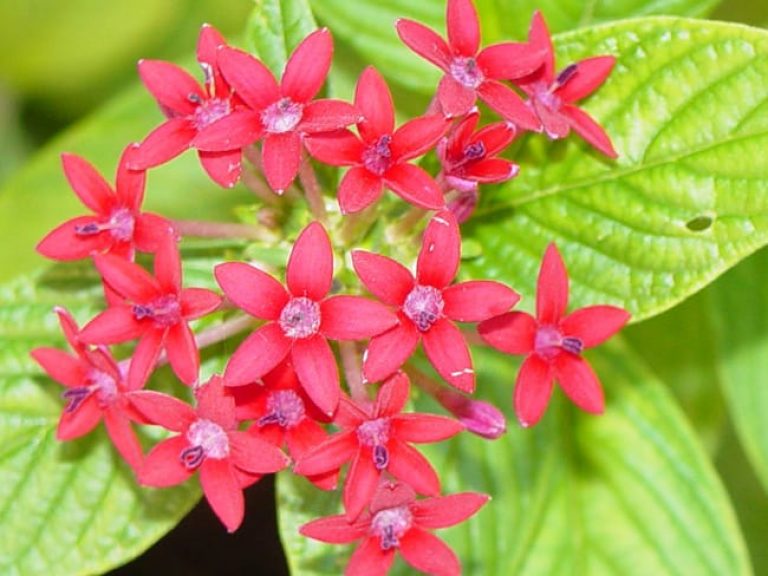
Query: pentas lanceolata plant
[[321, 382]]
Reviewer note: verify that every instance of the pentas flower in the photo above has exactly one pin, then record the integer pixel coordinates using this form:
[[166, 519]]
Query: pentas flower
[[117, 225], [428, 305], [190, 108], [376, 440], [283, 414], [300, 319], [470, 72], [552, 97], [398, 522], [210, 442], [154, 309], [278, 114], [553, 343], [96, 390], [379, 157]]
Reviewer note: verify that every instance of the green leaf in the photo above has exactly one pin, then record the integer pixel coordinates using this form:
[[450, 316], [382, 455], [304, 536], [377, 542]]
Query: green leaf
[[72, 508], [687, 110], [275, 28]]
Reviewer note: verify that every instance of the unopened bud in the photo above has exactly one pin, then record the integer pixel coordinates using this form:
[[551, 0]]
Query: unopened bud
[[479, 417]]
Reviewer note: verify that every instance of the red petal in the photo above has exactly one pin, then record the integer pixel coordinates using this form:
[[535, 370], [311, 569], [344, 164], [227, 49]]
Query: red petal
[[334, 530], [63, 243], [145, 358], [354, 318], [533, 388], [182, 353], [553, 122], [257, 355], [114, 325], [374, 100], [510, 60], [358, 189], [197, 302], [328, 456], [164, 143], [595, 324], [505, 102], [224, 168], [589, 75], [424, 428], [129, 184], [281, 154], [168, 266], [495, 137], [316, 368], [222, 490], [445, 511], [308, 66], [409, 466], [418, 136], [385, 278], [254, 291], [60, 366], [551, 288], [360, 485], [415, 186], [208, 44], [170, 85], [513, 333], [255, 455], [369, 559], [80, 422], [492, 170], [586, 127], [463, 27], [128, 279], [579, 382], [327, 115], [306, 436], [478, 300], [123, 437], [425, 42], [252, 81], [387, 352], [162, 466], [539, 38], [150, 231], [162, 409], [440, 252], [447, 350], [456, 100], [216, 404], [338, 148], [392, 396], [88, 184], [428, 554], [310, 268], [233, 132]]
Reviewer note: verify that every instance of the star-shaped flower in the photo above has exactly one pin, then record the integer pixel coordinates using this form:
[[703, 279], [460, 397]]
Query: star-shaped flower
[[376, 439], [428, 305], [210, 442], [278, 114], [553, 342], [379, 157], [398, 522], [470, 72], [552, 97], [301, 319]]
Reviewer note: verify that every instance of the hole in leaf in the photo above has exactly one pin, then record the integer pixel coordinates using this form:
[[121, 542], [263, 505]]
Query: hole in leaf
[[699, 224]]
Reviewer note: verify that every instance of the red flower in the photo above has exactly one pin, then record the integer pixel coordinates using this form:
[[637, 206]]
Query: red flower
[[553, 343], [469, 71], [283, 414], [552, 97], [117, 226], [300, 319], [208, 440], [190, 108], [280, 114], [376, 439], [96, 390], [428, 306], [396, 521], [157, 311], [379, 157]]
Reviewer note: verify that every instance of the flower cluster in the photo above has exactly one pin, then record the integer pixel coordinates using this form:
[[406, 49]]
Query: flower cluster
[[282, 389]]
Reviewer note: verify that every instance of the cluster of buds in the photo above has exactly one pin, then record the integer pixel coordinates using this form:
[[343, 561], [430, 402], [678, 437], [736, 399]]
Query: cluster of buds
[[281, 390]]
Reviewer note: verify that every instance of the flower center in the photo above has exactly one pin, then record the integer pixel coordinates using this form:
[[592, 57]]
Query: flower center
[[284, 408], [377, 158], [390, 524], [282, 116], [550, 341], [206, 440], [120, 225], [209, 111], [300, 318], [465, 71], [375, 434], [97, 382], [165, 311], [424, 306]]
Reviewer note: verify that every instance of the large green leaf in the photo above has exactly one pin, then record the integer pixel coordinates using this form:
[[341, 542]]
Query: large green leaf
[[687, 108], [71, 508], [630, 492], [276, 27]]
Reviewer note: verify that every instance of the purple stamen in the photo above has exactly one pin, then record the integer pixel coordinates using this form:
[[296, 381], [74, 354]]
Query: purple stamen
[[75, 397], [566, 74], [572, 344], [424, 306], [377, 158], [380, 457], [192, 457]]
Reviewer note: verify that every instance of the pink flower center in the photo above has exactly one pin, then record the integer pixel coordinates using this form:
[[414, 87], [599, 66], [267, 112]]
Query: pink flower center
[[165, 311], [284, 408], [424, 306], [282, 116], [550, 342], [120, 225], [390, 524], [375, 434], [100, 383], [377, 158], [209, 111], [300, 318], [206, 440], [466, 72]]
